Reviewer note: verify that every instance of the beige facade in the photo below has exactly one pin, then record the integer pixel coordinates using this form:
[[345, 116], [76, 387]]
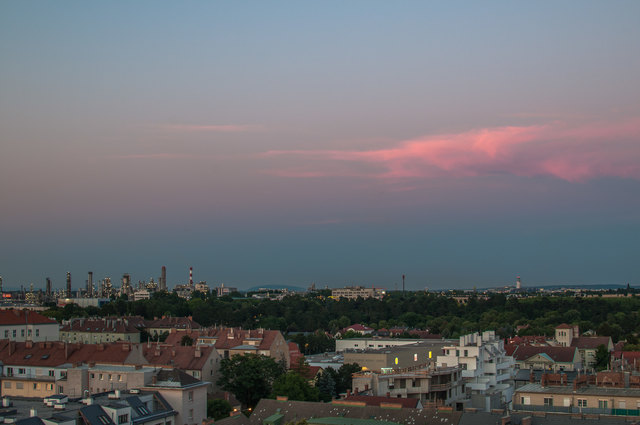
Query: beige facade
[[36, 387], [442, 386], [589, 399], [353, 292], [398, 357]]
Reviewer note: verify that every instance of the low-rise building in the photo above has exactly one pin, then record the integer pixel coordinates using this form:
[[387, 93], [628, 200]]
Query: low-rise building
[[366, 343], [398, 357], [98, 331], [607, 393], [186, 394], [539, 357], [355, 292], [27, 325], [432, 386]]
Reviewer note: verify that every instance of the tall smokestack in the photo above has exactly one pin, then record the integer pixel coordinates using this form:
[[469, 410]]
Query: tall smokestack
[[163, 279], [518, 283], [190, 276], [48, 288], [68, 285], [90, 285]]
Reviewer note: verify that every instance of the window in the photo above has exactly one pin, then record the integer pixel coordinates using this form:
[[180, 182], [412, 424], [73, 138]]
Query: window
[[548, 401], [50, 386], [29, 332], [21, 332], [52, 373], [191, 414], [19, 386], [7, 384], [110, 378], [35, 387], [93, 375], [603, 404], [101, 377], [525, 400], [21, 371], [120, 378], [190, 394], [622, 404], [15, 333], [196, 374], [582, 402], [37, 332], [9, 371], [466, 353], [6, 333], [104, 419], [123, 419]]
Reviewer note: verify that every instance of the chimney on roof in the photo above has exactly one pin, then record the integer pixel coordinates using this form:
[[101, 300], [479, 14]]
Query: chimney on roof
[[28, 344], [173, 353], [198, 353]]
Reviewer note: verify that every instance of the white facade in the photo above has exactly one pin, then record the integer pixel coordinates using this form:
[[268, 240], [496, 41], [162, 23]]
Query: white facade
[[30, 332], [372, 343], [487, 371]]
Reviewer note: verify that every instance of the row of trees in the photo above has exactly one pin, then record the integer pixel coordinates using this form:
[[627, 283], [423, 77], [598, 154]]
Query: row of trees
[[617, 317], [251, 377]]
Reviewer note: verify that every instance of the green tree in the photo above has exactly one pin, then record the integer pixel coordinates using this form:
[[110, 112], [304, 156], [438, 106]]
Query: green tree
[[294, 386], [326, 385], [345, 376], [218, 409], [186, 340], [249, 377], [602, 357]]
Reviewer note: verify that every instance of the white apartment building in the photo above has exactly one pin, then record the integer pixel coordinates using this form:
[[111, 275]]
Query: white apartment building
[[487, 371], [354, 292]]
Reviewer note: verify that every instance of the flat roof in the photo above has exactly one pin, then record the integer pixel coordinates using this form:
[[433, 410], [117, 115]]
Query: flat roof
[[584, 390]]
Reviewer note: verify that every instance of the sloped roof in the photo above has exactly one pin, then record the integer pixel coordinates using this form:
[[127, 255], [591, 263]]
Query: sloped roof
[[411, 403], [173, 323], [557, 354], [53, 354], [22, 317], [564, 326], [590, 341], [182, 357], [174, 378], [227, 338], [95, 415], [106, 325]]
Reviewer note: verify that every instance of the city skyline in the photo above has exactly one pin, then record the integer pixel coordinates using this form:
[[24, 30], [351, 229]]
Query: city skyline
[[291, 143]]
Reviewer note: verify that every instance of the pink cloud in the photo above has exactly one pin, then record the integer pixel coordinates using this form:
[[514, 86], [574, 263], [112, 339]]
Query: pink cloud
[[569, 152], [220, 128]]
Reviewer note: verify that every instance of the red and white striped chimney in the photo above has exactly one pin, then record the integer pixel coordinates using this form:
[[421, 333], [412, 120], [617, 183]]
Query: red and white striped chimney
[[191, 276]]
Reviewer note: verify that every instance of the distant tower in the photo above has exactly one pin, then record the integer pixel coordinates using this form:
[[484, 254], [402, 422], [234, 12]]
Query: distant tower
[[163, 279], [403, 284], [518, 283], [68, 285], [126, 284], [190, 276], [48, 288], [90, 285], [1, 291]]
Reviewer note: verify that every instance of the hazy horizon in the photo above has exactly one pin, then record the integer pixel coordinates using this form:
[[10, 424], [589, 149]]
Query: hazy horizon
[[461, 144]]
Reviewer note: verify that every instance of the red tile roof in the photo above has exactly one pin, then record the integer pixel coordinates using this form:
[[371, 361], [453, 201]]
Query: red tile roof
[[22, 317], [173, 323], [53, 354], [557, 354], [181, 357], [564, 326], [590, 341]]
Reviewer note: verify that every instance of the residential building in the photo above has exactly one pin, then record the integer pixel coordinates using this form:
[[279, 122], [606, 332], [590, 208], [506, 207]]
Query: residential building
[[365, 343], [398, 357], [486, 369], [186, 394], [356, 328], [222, 290], [539, 357], [569, 336], [134, 408], [231, 341], [164, 324], [201, 362], [432, 386], [607, 393], [354, 292], [27, 325], [98, 331]]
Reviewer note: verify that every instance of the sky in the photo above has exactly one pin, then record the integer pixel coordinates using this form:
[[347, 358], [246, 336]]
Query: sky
[[338, 143]]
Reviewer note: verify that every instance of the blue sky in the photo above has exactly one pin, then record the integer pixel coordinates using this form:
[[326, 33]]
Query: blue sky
[[459, 143]]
